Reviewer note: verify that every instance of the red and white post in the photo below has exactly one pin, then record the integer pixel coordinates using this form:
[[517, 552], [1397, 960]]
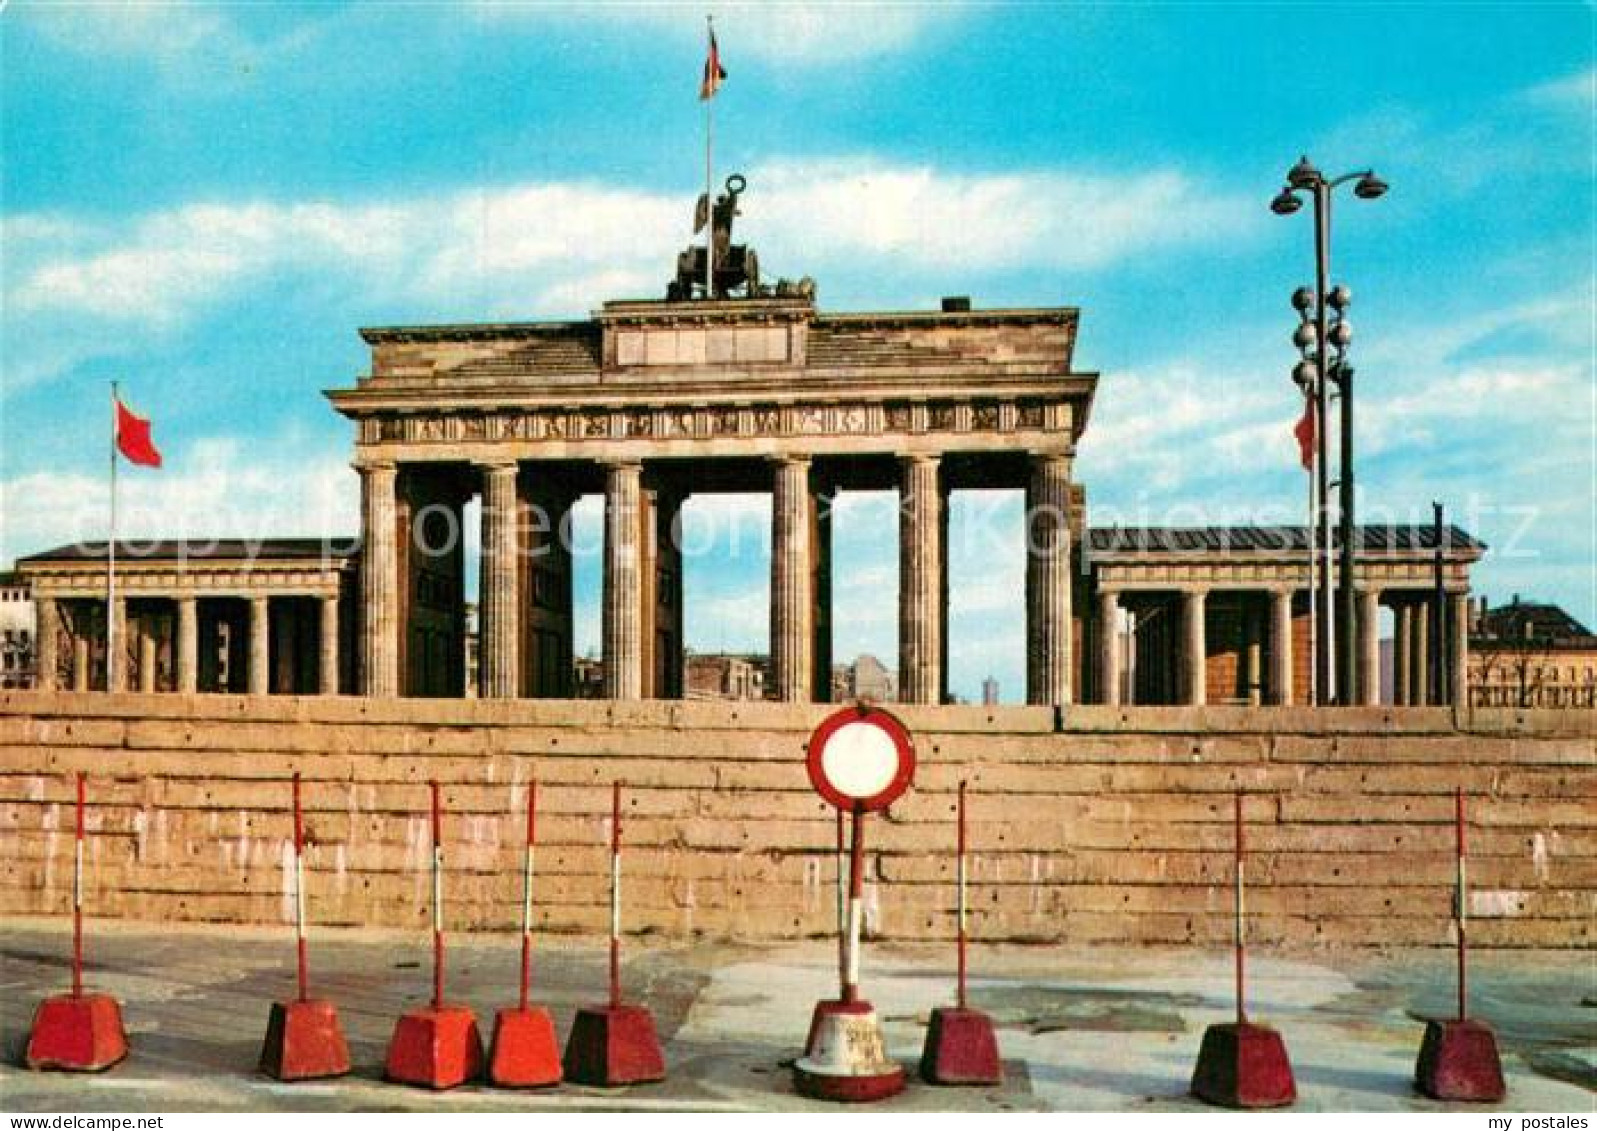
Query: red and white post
[[439, 1046], [1242, 1064], [614, 1044], [77, 1031], [1458, 1058], [961, 1045], [303, 1038], [525, 1053]]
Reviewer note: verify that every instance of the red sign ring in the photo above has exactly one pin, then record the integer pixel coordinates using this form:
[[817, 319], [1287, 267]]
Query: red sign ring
[[861, 759]]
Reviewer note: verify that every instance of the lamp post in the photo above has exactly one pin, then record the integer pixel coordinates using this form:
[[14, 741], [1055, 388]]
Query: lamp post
[[1324, 331]]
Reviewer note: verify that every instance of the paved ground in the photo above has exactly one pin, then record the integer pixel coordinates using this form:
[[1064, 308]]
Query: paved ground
[[1080, 1029]]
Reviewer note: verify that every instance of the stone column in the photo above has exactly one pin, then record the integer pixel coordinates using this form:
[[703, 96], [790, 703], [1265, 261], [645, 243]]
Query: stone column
[[1458, 652], [1048, 612], [623, 612], [792, 581], [327, 659], [1109, 647], [188, 646], [47, 629], [1281, 645], [1194, 649], [1419, 656], [80, 664], [379, 582], [1252, 649], [116, 667], [497, 608], [1369, 659], [260, 646], [146, 662], [1402, 629], [920, 582]]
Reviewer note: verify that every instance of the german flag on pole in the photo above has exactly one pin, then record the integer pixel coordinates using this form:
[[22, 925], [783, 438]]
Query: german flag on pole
[[714, 73]]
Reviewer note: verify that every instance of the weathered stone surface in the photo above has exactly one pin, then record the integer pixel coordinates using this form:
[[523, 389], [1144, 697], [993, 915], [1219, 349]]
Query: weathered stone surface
[[1115, 828]]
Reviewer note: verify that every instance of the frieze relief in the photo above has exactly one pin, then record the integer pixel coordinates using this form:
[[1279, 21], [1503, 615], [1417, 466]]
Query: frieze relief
[[953, 417]]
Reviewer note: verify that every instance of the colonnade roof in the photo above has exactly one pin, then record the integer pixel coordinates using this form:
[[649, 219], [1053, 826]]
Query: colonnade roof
[[133, 551], [1113, 543]]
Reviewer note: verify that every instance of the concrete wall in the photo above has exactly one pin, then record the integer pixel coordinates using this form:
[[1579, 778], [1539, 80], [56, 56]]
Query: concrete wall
[[1114, 828]]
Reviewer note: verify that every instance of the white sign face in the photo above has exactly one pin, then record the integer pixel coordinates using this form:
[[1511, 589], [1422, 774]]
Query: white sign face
[[859, 760]]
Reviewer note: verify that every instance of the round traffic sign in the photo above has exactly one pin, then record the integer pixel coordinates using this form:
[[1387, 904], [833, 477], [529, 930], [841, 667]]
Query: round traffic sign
[[861, 758]]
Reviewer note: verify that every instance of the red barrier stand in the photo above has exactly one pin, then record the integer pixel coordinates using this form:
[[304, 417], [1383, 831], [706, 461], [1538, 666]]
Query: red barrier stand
[[525, 1052], [77, 1032], [1458, 1058], [614, 1044], [961, 1047], [303, 1038], [437, 1046], [1241, 1064]]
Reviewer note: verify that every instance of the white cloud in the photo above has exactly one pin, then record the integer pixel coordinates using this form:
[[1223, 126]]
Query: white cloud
[[218, 486], [558, 249], [1575, 92], [783, 34]]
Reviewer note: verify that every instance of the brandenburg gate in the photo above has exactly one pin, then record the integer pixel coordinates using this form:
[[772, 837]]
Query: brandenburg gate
[[648, 402]]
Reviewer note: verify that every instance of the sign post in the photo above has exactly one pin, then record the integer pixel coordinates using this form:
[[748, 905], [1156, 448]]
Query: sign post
[[860, 760]]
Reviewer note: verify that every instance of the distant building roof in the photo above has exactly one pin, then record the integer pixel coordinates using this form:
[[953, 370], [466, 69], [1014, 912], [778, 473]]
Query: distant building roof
[[1538, 623], [202, 549], [1103, 540]]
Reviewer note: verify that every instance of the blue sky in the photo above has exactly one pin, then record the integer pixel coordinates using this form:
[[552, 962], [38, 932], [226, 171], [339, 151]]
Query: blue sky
[[206, 201]]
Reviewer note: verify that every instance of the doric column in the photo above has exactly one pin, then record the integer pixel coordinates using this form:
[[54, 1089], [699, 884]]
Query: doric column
[[260, 652], [1194, 649], [792, 581], [1108, 647], [116, 667], [623, 613], [327, 658], [1458, 649], [497, 632], [379, 582], [47, 633], [80, 663], [1281, 645], [1419, 656], [1048, 612], [1369, 659], [1402, 618], [920, 582], [188, 646], [146, 662], [1252, 651]]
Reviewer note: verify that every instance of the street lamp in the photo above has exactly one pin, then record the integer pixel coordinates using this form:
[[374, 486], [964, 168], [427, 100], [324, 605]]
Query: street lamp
[[1326, 348]]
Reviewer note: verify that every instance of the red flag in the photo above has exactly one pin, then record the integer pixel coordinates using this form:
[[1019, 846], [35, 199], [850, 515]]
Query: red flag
[[714, 75], [1304, 431], [133, 437]]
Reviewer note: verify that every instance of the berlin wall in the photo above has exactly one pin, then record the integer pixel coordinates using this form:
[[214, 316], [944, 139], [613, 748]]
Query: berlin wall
[[1111, 825]]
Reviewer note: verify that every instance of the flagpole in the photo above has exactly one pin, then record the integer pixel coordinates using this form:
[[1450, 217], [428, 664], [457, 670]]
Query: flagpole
[[709, 180], [110, 559]]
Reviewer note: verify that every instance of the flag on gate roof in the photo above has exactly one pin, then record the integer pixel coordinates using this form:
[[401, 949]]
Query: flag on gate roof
[[1304, 431], [714, 73], [133, 437]]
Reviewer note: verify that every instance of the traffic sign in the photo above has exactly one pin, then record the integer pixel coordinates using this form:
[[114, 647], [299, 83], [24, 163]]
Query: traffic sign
[[861, 759]]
